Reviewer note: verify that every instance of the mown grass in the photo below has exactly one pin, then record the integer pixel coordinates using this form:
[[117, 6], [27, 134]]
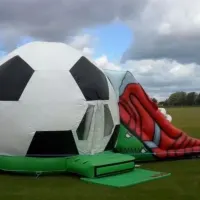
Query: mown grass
[[183, 184]]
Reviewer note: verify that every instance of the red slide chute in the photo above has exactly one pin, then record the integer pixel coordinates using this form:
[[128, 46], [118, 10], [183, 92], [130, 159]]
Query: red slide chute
[[142, 118]]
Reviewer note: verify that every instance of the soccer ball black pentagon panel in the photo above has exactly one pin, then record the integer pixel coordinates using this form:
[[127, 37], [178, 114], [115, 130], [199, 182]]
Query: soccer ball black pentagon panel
[[14, 76], [91, 80], [57, 102]]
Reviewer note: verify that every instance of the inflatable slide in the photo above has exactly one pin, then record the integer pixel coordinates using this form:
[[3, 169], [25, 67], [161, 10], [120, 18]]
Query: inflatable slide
[[145, 132]]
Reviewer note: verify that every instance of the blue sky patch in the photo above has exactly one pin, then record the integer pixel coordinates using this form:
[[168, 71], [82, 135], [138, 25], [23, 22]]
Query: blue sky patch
[[113, 40]]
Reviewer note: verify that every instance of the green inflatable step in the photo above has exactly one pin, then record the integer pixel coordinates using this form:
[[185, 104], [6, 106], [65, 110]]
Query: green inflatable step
[[128, 179], [99, 165]]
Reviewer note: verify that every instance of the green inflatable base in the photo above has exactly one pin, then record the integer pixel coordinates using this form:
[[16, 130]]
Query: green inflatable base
[[85, 165], [128, 179], [107, 168], [31, 165]]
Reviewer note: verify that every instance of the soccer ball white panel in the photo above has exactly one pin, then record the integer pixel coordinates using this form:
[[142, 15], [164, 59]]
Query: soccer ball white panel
[[20, 122], [16, 130], [48, 55], [55, 117], [52, 86]]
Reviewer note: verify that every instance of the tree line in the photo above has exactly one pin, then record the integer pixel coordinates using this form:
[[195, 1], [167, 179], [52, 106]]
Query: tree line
[[181, 99]]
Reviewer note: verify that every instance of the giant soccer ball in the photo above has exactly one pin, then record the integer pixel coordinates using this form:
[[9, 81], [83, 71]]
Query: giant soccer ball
[[54, 102]]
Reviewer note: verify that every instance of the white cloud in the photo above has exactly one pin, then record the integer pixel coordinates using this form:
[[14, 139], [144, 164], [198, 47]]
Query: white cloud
[[52, 20], [163, 77], [104, 63], [162, 28], [88, 51], [83, 43], [166, 29]]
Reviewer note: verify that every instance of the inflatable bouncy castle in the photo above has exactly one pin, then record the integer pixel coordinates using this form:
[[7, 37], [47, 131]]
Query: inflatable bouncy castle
[[61, 113]]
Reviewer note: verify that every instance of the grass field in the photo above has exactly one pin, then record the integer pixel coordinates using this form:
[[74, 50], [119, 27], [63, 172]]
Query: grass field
[[183, 184]]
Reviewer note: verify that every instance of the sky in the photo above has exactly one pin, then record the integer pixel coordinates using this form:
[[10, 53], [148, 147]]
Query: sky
[[112, 40], [159, 41]]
